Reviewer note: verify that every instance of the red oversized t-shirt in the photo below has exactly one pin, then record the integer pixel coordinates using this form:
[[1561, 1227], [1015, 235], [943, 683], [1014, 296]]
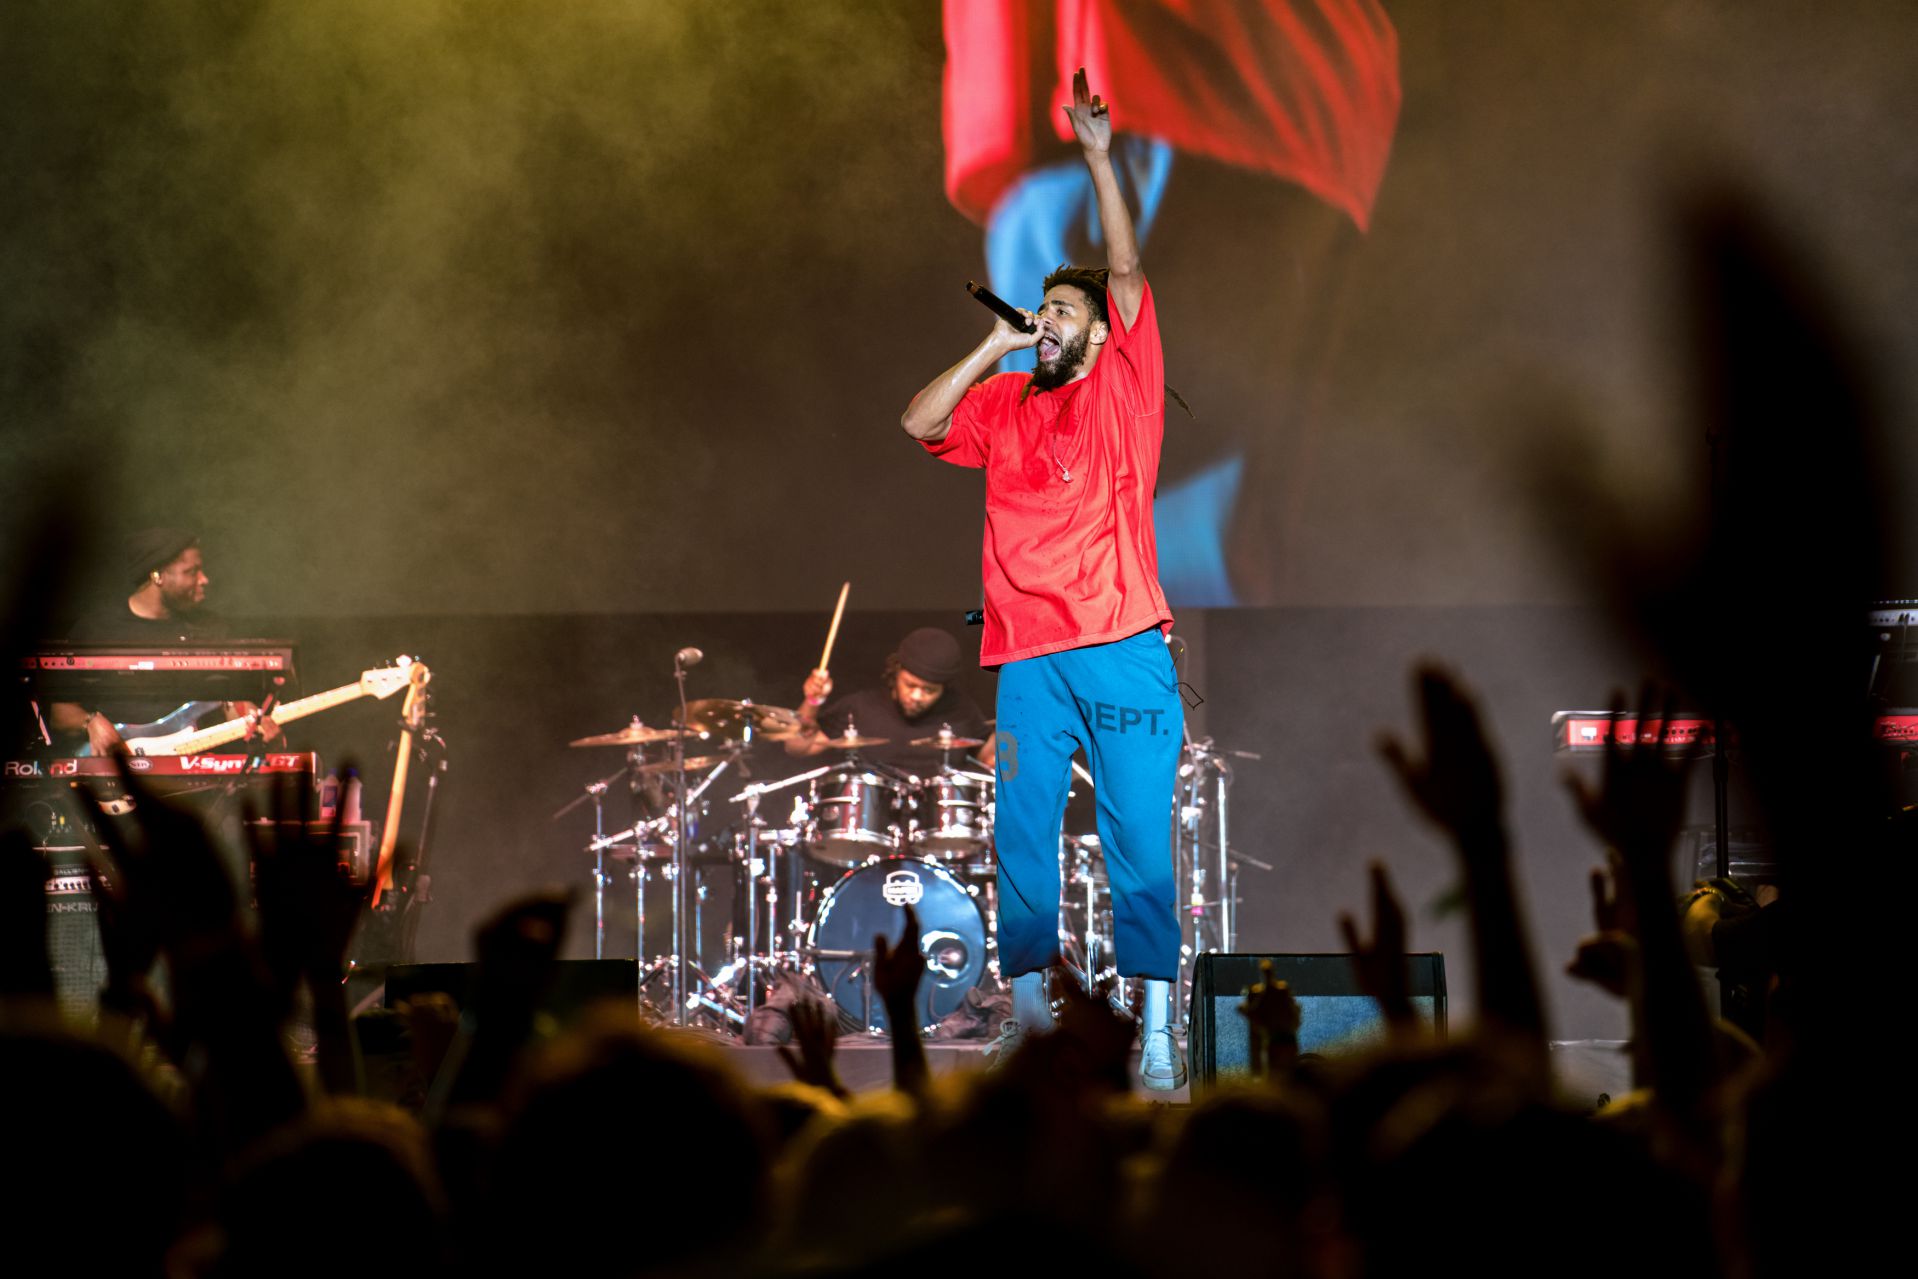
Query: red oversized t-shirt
[[1069, 563]]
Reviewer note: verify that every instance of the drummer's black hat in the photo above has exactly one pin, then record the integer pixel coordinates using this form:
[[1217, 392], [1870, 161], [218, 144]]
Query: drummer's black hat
[[931, 654]]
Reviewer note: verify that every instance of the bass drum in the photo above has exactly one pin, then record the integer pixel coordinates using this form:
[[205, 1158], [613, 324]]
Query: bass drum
[[872, 900]]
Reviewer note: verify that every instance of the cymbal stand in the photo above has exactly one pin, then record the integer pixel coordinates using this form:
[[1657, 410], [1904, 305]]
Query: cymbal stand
[[681, 864], [1210, 923], [598, 791], [595, 793], [752, 895], [750, 796]]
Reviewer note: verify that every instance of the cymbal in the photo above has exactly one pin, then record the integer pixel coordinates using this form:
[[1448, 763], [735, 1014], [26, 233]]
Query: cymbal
[[714, 717], [692, 765], [850, 743], [950, 743], [634, 734]]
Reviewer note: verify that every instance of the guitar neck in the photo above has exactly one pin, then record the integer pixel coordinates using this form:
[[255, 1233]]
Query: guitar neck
[[234, 729]]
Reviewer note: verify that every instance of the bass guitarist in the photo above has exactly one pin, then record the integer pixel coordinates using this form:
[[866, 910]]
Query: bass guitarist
[[167, 571]]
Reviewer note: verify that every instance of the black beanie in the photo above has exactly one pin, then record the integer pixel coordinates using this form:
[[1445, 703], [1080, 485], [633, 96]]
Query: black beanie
[[151, 549], [931, 654]]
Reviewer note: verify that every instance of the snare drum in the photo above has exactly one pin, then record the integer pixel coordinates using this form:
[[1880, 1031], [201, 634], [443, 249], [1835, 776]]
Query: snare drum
[[854, 816], [952, 816], [872, 900]]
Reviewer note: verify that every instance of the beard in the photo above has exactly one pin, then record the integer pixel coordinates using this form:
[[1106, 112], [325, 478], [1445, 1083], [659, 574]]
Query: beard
[[908, 714], [1063, 367]]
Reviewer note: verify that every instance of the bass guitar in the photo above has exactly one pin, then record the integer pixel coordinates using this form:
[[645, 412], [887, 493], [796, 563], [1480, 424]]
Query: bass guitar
[[175, 734]]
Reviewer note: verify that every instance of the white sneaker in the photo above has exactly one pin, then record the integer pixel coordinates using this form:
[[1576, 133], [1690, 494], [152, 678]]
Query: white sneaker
[[1161, 1065]]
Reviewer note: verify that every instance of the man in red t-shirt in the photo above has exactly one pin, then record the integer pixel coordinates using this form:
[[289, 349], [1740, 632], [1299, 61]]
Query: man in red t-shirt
[[1075, 618]]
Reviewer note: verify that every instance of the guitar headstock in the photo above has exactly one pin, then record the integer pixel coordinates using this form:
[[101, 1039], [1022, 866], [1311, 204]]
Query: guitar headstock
[[385, 681], [413, 710]]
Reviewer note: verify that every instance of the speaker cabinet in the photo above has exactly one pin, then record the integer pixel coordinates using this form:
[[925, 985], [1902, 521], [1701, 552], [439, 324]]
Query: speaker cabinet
[[1334, 1016], [73, 930]]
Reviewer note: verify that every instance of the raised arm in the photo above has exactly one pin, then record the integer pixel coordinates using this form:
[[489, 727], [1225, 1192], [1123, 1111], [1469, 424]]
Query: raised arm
[[1092, 125], [809, 740], [929, 416]]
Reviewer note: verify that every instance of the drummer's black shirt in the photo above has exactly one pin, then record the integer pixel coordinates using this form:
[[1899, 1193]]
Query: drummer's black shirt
[[873, 712]]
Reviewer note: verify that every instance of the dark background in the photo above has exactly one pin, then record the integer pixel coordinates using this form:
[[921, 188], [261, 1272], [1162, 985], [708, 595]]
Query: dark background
[[541, 340]]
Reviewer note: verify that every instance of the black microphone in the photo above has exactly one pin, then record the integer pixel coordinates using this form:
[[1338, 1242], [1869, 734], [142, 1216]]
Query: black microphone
[[1001, 308], [687, 658]]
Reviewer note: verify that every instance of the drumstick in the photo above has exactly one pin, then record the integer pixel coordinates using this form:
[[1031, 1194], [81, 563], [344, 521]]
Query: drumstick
[[839, 611]]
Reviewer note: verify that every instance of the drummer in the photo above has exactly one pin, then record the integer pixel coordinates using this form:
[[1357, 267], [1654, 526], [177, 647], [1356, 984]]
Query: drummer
[[913, 700]]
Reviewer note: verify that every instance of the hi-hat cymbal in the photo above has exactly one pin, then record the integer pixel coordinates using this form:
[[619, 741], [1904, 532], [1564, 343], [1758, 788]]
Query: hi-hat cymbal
[[723, 717], [692, 765], [950, 743], [634, 734], [849, 743]]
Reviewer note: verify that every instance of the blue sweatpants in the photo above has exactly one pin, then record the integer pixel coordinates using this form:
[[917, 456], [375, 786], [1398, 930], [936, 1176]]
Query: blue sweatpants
[[1120, 701]]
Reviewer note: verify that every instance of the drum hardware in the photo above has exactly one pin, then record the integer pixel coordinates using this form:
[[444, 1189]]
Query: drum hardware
[[871, 825], [682, 882], [796, 824], [945, 740], [1085, 910], [854, 814], [634, 734], [852, 741], [650, 840], [692, 765], [1239, 857], [725, 719], [595, 793], [1203, 863], [952, 815]]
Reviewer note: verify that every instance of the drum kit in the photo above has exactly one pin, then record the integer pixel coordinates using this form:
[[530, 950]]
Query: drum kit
[[860, 841], [814, 880]]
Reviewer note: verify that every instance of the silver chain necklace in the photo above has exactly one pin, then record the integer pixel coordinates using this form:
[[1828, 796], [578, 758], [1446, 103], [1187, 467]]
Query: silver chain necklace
[[1051, 435]]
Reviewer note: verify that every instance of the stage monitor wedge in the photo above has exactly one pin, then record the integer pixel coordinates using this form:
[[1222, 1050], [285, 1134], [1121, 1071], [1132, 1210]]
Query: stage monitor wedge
[[1334, 1015]]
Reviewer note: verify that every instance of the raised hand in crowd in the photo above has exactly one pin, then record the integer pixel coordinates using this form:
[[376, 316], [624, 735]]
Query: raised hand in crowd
[[1607, 956], [1272, 1015], [1639, 802], [173, 888], [1090, 1045], [897, 973], [518, 947], [129, 945], [169, 870], [1637, 809], [815, 1031], [1380, 963], [1452, 777], [309, 908]]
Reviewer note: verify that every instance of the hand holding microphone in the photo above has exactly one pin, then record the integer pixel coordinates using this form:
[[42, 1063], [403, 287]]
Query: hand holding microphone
[[1022, 327]]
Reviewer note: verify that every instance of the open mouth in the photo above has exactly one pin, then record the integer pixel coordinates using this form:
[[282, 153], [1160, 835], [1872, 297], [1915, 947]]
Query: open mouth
[[1048, 349]]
